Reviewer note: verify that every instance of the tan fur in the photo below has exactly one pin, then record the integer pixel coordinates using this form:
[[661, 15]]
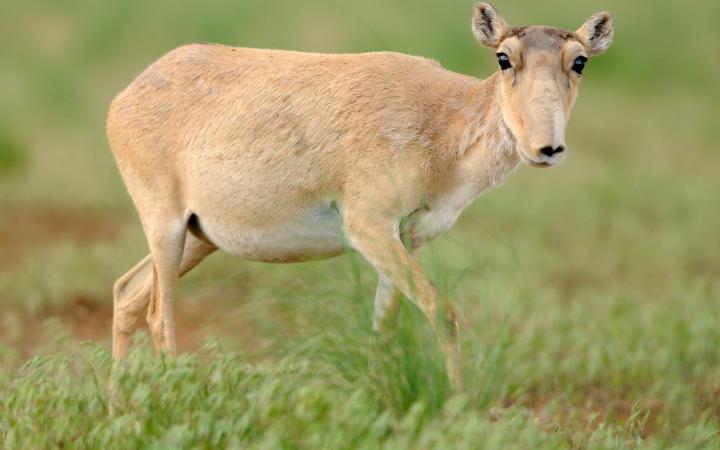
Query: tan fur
[[284, 156]]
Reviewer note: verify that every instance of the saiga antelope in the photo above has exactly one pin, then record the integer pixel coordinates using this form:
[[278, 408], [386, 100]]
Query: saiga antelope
[[282, 156]]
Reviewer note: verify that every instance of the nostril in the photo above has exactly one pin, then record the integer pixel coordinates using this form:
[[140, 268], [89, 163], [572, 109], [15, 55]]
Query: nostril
[[549, 151]]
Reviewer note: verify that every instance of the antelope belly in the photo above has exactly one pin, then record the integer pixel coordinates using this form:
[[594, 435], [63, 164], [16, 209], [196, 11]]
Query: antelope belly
[[314, 234]]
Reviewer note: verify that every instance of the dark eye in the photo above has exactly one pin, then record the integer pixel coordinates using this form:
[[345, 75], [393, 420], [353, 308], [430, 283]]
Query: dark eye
[[579, 64], [504, 61]]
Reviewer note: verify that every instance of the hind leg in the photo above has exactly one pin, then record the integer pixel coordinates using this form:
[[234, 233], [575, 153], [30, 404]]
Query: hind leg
[[166, 238], [131, 292]]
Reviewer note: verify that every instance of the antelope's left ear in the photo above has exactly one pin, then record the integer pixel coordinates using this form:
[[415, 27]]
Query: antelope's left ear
[[596, 34]]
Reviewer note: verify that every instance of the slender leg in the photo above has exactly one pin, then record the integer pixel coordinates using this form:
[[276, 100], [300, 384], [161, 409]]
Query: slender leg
[[378, 241], [387, 301], [166, 240], [132, 292]]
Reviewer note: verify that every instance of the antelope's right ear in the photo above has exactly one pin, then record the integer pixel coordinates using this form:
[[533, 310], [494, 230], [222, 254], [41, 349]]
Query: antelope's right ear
[[488, 25]]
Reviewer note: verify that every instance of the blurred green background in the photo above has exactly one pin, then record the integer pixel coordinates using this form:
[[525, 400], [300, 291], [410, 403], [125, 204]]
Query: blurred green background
[[594, 285], [64, 60]]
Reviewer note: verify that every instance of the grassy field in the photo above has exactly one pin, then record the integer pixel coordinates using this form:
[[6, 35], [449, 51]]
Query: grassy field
[[589, 294]]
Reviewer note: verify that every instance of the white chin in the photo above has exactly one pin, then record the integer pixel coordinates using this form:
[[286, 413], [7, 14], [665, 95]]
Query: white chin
[[547, 162], [532, 163]]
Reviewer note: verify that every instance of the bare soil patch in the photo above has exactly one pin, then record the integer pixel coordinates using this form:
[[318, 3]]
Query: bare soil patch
[[85, 318], [25, 228]]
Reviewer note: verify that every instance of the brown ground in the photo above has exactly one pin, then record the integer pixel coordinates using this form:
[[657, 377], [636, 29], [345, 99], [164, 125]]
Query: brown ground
[[24, 229], [90, 319], [595, 406]]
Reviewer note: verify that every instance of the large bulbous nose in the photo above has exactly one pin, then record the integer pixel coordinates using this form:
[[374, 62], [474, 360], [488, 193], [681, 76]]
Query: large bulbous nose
[[549, 151]]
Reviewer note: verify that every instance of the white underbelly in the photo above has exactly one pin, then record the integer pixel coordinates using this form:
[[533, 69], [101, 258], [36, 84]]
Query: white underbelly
[[315, 233]]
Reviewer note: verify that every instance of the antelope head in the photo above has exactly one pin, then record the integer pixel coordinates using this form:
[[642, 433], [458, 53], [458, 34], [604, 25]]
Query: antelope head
[[540, 69]]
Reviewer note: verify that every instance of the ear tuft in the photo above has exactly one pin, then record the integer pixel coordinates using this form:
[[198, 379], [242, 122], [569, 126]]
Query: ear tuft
[[488, 25], [596, 34]]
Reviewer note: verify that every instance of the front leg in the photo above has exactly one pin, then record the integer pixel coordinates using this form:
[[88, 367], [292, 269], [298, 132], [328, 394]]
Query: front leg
[[378, 240], [388, 297]]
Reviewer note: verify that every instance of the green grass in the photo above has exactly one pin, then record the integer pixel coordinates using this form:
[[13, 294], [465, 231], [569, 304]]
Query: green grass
[[589, 294], [619, 381]]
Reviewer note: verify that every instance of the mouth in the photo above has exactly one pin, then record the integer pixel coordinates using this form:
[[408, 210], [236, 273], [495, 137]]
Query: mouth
[[538, 164]]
